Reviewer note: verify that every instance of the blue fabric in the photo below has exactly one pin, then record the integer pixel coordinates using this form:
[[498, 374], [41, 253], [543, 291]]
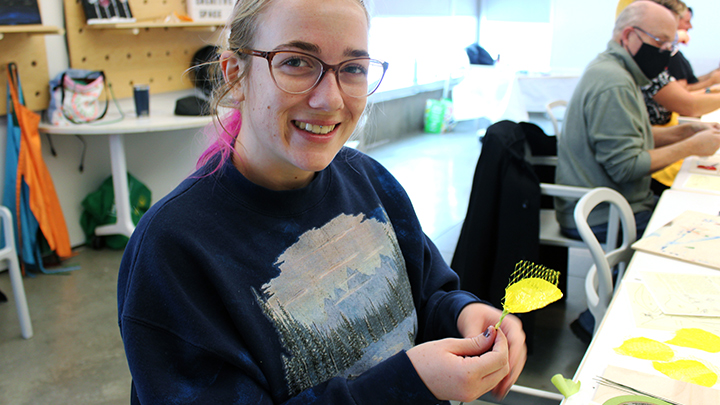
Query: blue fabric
[[29, 225], [586, 320], [12, 150]]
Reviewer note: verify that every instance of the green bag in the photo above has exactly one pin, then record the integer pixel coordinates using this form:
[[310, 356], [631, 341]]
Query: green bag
[[99, 209], [438, 115]]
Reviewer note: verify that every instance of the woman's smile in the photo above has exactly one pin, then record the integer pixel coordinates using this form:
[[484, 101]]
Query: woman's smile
[[313, 128]]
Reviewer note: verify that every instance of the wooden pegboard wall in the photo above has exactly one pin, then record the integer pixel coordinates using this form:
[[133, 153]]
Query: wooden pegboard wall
[[158, 57], [28, 52]]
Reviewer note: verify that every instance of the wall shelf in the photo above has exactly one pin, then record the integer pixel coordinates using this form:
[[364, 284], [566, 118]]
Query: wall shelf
[[159, 53], [209, 25], [31, 29]]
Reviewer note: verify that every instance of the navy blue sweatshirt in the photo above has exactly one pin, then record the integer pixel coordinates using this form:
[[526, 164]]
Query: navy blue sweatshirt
[[231, 293]]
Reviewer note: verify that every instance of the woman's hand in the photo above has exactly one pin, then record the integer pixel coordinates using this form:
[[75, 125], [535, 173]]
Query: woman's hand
[[683, 36], [462, 369], [475, 318]]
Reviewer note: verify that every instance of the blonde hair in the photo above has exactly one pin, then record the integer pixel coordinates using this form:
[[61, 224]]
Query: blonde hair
[[676, 6]]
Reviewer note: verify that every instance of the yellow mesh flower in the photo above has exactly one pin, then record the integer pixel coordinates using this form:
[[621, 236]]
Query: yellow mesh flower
[[532, 286]]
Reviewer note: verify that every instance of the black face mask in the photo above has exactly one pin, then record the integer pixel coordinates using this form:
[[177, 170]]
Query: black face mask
[[651, 61]]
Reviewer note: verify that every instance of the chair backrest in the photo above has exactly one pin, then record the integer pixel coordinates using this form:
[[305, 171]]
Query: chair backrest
[[550, 109], [598, 282]]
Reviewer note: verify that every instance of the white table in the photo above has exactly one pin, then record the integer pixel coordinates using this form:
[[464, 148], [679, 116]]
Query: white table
[[488, 91], [161, 119], [538, 89], [696, 182], [619, 323]]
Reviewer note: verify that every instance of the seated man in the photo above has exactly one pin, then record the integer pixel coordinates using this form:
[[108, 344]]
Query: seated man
[[608, 140]]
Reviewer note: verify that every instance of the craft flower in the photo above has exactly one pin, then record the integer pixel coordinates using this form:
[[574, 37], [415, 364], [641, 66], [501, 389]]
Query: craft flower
[[532, 286]]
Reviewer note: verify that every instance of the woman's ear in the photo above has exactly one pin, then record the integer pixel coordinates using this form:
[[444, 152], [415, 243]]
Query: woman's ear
[[232, 69]]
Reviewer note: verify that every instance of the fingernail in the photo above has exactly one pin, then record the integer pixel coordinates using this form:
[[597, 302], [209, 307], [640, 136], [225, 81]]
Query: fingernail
[[487, 331]]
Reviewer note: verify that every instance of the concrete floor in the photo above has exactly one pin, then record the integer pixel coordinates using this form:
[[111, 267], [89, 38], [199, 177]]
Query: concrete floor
[[77, 357]]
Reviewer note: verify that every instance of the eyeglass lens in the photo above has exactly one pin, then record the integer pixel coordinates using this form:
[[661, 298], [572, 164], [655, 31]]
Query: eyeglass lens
[[298, 73]]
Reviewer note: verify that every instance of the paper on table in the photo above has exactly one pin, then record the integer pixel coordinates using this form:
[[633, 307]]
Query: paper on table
[[706, 165], [648, 315], [692, 236], [682, 392], [703, 182], [684, 294]]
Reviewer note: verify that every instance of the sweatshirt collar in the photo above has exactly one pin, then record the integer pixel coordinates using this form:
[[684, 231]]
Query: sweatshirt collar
[[270, 202]]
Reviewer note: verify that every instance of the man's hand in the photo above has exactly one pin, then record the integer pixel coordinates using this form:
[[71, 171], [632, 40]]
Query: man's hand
[[705, 142], [691, 128]]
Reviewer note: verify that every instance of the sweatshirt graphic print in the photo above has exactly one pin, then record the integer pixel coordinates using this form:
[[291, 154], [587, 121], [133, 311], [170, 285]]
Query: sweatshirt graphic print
[[342, 302]]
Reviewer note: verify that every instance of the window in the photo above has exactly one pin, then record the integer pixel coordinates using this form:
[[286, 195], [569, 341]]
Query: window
[[421, 49]]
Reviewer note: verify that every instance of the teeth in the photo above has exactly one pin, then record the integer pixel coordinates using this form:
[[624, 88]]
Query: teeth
[[315, 129]]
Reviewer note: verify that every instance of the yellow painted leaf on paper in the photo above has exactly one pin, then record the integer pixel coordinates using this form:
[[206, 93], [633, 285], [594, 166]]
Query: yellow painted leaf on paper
[[696, 339], [647, 349], [691, 371]]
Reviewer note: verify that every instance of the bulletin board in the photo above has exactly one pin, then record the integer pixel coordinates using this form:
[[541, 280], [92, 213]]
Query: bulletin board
[[25, 45], [147, 52]]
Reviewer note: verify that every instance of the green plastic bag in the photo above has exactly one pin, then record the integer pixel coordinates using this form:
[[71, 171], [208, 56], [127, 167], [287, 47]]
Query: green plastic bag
[[438, 115], [99, 209]]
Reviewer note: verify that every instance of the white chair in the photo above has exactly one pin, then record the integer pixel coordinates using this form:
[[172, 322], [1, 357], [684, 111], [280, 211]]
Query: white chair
[[598, 282], [550, 109], [9, 253], [549, 227]]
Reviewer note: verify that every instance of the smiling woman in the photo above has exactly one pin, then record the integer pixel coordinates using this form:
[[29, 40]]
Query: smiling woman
[[289, 269]]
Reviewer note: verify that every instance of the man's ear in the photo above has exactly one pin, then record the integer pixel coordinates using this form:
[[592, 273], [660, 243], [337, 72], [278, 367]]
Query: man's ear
[[232, 69], [625, 36]]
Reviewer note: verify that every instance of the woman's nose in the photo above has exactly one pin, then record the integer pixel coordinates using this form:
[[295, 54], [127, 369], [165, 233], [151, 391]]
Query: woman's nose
[[327, 94]]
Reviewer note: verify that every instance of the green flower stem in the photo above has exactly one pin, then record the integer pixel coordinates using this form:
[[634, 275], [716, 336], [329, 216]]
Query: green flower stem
[[504, 312]]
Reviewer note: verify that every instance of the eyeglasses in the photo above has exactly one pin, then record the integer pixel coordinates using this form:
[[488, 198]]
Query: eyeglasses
[[664, 46], [298, 72]]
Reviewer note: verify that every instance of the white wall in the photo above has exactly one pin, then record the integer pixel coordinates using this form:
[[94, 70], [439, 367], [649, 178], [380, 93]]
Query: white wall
[[703, 50], [581, 30], [424, 7]]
